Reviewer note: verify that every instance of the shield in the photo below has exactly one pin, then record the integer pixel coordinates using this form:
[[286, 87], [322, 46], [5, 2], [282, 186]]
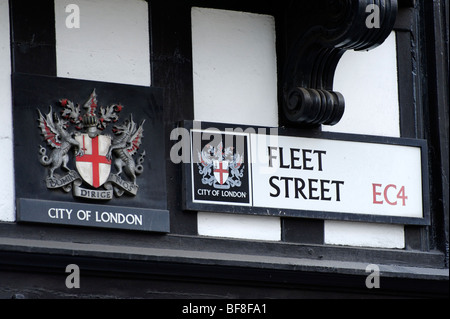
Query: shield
[[221, 171], [93, 166]]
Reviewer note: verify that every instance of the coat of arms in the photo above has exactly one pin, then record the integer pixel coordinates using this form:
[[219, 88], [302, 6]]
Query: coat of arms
[[94, 152], [219, 167]]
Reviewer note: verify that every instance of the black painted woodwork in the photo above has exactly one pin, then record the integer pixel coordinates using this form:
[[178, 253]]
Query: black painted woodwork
[[308, 231], [315, 43], [434, 78], [33, 37], [116, 263], [171, 69]]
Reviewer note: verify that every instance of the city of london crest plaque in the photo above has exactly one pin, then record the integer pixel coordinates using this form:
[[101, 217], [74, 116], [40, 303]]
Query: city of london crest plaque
[[89, 153], [74, 134]]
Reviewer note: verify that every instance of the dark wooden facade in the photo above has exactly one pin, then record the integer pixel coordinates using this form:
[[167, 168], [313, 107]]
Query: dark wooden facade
[[181, 264]]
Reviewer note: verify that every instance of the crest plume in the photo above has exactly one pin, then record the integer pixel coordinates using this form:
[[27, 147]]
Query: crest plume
[[91, 104]]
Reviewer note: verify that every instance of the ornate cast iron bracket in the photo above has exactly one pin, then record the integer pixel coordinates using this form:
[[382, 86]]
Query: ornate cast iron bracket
[[327, 28]]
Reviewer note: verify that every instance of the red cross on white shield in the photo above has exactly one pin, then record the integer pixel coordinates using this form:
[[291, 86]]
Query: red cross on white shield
[[221, 172], [93, 166]]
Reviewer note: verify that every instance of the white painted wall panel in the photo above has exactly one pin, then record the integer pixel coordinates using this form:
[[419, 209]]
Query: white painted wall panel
[[235, 81], [234, 63], [111, 44], [7, 207], [368, 80], [369, 83], [239, 226], [364, 234]]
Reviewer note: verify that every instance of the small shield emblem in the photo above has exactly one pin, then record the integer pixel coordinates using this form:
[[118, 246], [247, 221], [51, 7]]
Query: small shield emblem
[[221, 172], [93, 166]]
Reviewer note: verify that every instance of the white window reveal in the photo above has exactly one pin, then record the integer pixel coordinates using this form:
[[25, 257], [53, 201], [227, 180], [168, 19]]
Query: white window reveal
[[369, 82], [234, 67], [103, 40], [7, 168]]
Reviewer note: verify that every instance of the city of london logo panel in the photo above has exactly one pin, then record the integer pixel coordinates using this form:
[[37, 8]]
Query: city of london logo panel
[[220, 168], [89, 154], [81, 158]]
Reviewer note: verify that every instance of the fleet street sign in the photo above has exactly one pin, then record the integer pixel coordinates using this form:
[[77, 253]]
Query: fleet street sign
[[331, 176]]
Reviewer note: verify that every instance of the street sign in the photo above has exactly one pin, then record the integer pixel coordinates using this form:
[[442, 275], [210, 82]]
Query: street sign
[[328, 176]]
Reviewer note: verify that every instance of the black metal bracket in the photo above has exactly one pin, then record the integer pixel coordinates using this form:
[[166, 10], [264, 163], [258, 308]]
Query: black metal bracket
[[320, 33]]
